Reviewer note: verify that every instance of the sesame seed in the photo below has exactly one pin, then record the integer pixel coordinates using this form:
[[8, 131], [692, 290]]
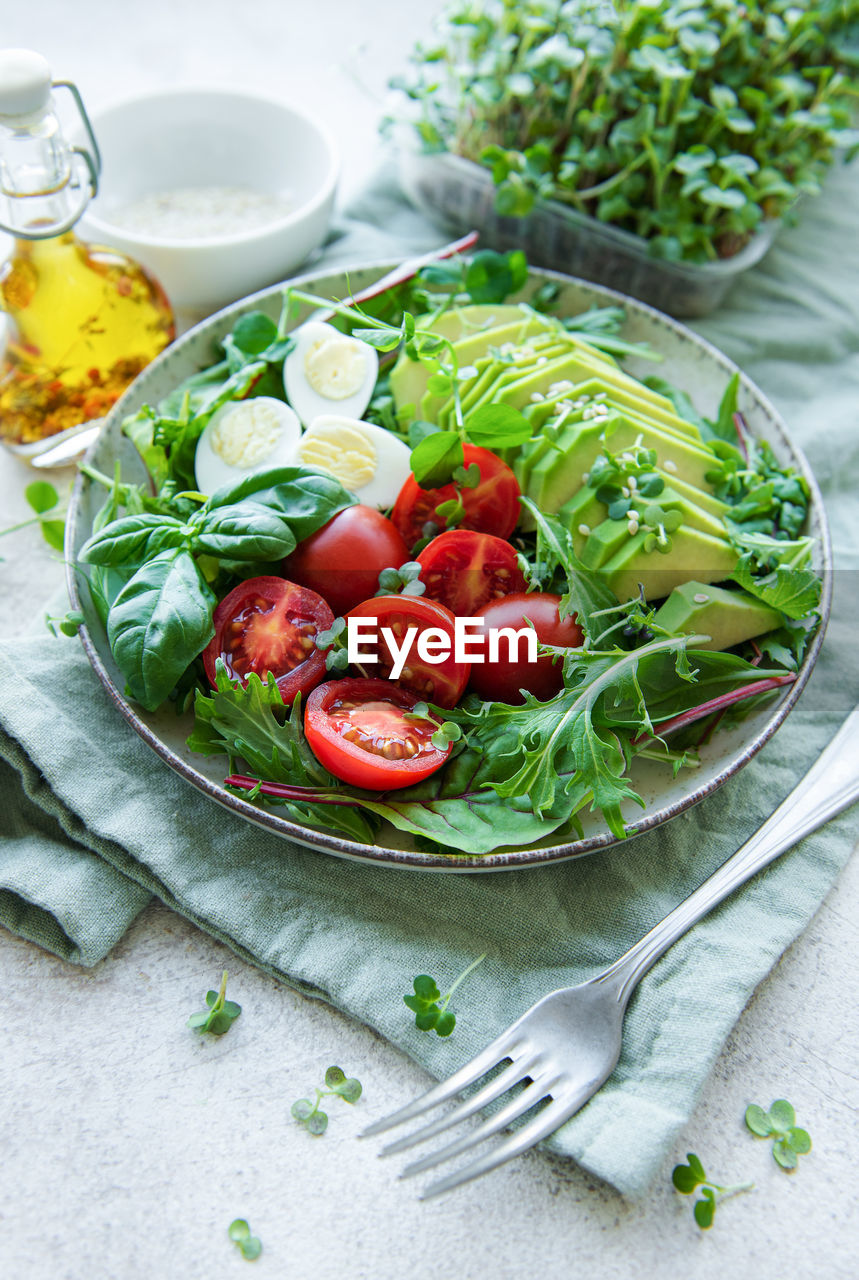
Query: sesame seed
[[632, 528], [669, 465], [541, 360], [624, 490], [632, 482], [536, 397], [586, 477], [584, 529], [700, 597]]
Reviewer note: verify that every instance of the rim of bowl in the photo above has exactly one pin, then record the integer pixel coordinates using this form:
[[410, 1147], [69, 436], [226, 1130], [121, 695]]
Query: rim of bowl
[[316, 201], [507, 859]]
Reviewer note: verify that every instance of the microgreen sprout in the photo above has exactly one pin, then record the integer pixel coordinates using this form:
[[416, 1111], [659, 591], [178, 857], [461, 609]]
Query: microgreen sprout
[[430, 1015], [333, 644], [250, 1247], [789, 1142], [337, 1084], [689, 1178], [403, 581], [69, 624], [221, 1013], [43, 499]]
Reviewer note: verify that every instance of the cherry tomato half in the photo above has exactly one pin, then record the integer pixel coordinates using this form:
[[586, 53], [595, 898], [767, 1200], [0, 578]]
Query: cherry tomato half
[[441, 682], [361, 732], [465, 570], [342, 560], [502, 680], [493, 507], [269, 624]]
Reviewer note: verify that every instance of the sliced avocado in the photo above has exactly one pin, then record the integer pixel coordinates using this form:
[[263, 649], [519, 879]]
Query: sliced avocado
[[409, 377], [557, 475], [464, 322], [727, 617], [584, 509], [693, 555], [602, 388]]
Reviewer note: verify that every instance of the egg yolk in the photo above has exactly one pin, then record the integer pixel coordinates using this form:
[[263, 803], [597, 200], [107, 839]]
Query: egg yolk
[[335, 367], [345, 452], [246, 437]]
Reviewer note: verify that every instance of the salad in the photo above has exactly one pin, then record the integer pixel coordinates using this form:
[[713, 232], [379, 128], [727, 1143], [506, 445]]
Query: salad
[[440, 560]]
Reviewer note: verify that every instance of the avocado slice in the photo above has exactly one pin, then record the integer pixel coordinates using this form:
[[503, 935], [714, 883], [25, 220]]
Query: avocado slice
[[409, 377], [557, 475], [693, 556], [584, 514], [602, 388], [727, 617]]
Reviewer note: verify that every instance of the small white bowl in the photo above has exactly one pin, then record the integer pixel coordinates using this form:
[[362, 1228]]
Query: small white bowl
[[208, 137]]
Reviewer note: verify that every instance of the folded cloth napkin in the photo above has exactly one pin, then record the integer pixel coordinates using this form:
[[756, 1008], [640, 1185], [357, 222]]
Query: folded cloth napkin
[[93, 822]]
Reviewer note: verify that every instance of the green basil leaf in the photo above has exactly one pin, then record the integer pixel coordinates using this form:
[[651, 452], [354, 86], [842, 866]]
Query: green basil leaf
[[306, 499], [248, 531], [436, 458], [160, 621], [254, 332], [131, 539]]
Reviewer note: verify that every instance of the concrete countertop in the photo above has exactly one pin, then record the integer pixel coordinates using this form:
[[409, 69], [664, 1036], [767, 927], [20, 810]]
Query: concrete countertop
[[129, 1144]]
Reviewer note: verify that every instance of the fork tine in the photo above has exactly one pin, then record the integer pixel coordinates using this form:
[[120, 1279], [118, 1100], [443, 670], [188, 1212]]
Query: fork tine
[[546, 1122], [514, 1073], [503, 1046], [516, 1107]]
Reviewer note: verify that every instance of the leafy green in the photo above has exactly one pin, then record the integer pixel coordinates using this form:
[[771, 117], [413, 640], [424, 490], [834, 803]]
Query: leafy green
[[430, 1015], [779, 1123], [689, 1178], [497, 426], [337, 1084], [250, 1247], [435, 458], [689, 124], [251, 723], [220, 1014], [43, 499], [159, 622]]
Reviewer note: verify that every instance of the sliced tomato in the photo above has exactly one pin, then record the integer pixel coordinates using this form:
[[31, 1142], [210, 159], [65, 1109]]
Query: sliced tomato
[[342, 560], [465, 570], [503, 679], [442, 682], [493, 507], [362, 732], [270, 624]]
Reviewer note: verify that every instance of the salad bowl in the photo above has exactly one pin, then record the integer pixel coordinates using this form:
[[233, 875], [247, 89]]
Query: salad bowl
[[690, 363]]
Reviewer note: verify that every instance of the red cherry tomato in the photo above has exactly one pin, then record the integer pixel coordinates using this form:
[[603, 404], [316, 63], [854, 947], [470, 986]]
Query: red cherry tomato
[[342, 560], [269, 624], [466, 570], [359, 730], [502, 680], [441, 682], [493, 507]]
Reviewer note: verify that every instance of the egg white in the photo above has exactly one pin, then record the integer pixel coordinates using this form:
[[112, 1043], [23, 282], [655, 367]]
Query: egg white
[[366, 459], [242, 437], [328, 372]]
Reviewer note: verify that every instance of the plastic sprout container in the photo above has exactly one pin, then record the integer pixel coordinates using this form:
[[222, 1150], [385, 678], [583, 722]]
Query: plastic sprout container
[[461, 195]]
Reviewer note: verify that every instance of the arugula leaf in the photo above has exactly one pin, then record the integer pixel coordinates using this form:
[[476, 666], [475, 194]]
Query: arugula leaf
[[244, 722], [795, 592], [159, 622], [681, 401], [587, 595], [723, 428]]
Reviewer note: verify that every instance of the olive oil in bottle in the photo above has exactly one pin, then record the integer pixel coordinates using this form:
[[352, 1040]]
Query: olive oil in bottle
[[81, 321]]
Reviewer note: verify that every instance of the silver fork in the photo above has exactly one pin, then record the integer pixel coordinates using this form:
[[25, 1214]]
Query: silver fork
[[567, 1045]]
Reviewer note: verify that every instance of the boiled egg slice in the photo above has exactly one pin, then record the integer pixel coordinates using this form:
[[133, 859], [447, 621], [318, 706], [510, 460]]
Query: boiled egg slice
[[242, 437], [328, 372], [366, 459]]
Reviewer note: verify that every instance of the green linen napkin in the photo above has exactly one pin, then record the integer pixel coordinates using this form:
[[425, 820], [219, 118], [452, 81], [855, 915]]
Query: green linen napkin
[[92, 821]]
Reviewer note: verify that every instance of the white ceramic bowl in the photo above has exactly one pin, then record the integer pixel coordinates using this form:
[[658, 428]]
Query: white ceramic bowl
[[207, 137]]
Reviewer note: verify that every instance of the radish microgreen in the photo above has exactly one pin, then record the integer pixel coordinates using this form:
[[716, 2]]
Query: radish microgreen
[[689, 1178], [789, 1142], [220, 1014], [430, 1007], [337, 1084], [250, 1247]]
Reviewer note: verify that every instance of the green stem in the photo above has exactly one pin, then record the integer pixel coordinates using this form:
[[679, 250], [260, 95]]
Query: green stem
[[462, 978], [13, 528]]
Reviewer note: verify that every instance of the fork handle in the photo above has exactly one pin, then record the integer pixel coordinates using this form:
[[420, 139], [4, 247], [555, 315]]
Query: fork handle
[[831, 784]]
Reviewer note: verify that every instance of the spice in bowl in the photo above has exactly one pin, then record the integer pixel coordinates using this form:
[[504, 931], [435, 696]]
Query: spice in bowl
[[200, 213]]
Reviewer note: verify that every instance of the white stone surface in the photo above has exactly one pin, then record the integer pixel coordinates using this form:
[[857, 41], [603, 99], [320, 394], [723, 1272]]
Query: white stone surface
[[129, 1144]]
